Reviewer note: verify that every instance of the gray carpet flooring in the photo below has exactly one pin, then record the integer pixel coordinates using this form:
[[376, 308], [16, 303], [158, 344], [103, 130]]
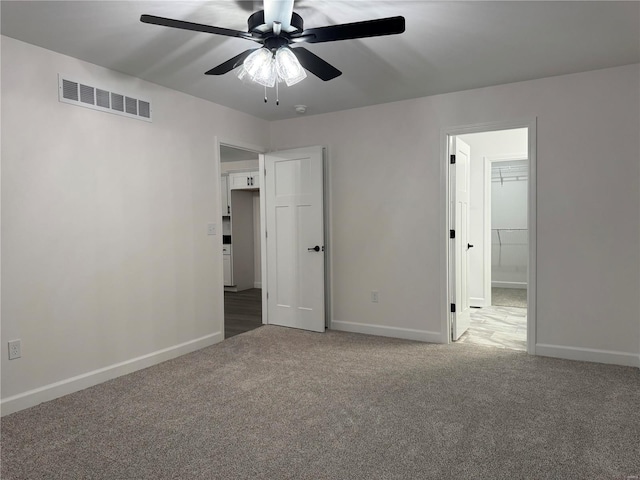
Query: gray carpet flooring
[[509, 297], [277, 403]]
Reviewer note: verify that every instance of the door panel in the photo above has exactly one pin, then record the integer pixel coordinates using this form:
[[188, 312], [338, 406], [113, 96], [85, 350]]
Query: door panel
[[461, 182], [295, 225]]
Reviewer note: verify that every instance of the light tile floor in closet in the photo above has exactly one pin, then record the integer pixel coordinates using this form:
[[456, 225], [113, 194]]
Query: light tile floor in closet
[[498, 326]]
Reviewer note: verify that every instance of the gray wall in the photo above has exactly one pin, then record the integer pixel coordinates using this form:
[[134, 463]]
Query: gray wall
[[106, 265], [106, 262], [387, 207]]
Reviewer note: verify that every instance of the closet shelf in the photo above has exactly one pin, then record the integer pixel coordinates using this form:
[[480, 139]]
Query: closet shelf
[[509, 173]]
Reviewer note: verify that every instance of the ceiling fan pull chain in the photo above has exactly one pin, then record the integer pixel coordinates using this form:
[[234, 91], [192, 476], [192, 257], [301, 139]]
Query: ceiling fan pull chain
[[277, 94], [265, 94]]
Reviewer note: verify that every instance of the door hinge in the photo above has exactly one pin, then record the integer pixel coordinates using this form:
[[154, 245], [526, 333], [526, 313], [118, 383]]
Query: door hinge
[[453, 308], [267, 295], [452, 159], [452, 234], [266, 234]]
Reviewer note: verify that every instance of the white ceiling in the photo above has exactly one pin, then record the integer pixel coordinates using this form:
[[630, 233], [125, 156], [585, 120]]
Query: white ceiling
[[448, 45]]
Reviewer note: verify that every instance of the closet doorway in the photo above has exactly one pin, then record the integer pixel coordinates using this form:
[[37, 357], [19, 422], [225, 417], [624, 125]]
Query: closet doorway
[[489, 251], [240, 183]]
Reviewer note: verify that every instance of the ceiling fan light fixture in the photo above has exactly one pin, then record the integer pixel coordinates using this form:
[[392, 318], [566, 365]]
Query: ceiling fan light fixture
[[288, 67], [260, 67]]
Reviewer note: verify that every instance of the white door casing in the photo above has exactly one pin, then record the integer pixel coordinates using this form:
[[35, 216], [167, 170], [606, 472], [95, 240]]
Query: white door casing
[[295, 261], [447, 246], [460, 183]]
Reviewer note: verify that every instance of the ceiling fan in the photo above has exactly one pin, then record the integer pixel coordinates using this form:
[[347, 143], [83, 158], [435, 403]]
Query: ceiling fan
[[277, 28]]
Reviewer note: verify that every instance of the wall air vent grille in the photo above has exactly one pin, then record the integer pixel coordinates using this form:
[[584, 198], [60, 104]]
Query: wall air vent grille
[[117, 102], [104, 100], [131, 105], [69, 90], [144, 109], [86, 94]]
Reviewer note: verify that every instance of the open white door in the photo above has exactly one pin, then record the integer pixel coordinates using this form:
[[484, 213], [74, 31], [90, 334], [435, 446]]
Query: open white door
[[460, 183], [295, 238]]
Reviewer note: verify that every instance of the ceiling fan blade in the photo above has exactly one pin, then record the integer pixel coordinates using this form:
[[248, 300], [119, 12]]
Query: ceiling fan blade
[[196, 27], [231, 63], [315, 64], [347, 31]]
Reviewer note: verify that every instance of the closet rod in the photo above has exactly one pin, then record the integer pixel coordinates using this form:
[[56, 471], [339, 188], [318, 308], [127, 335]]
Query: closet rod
[[498, 230]]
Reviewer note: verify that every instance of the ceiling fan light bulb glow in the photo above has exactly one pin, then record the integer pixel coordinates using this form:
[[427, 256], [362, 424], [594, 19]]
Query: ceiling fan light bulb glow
[[256, 60], [288, 67], [260, 67], [242, 73], [266, 75]]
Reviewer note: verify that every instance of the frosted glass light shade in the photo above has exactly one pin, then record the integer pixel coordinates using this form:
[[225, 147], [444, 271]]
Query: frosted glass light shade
[[288, 67], [261, 68]]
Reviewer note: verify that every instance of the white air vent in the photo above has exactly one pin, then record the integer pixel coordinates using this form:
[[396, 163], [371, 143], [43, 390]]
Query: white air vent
[[132, 105], [102, 98], [70, 90], [86, 94], [83, 95], [144, 109], [117, 102]]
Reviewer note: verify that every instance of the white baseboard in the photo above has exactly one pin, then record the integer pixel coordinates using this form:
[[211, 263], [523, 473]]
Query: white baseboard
[[509, 284], [383, 331], [89, 379], [257, 284], [588, 355]]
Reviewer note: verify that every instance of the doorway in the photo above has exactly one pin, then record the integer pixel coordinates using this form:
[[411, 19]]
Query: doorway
[[490, 216], [240, 183], [275, 238]]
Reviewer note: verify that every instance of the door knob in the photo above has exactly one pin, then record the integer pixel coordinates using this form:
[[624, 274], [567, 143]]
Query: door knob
[[314, 249], [469, 246]]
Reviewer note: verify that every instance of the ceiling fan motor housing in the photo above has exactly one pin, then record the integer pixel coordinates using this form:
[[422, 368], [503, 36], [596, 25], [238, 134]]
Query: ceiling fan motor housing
[[274, 43]]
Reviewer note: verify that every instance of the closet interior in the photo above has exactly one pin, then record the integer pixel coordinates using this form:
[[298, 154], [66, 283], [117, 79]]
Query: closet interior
[[509, 232], [498, 250]]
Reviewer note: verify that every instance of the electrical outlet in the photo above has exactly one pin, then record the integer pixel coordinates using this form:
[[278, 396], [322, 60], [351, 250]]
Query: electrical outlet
[[14, 349], [211, 229], [375, 296]]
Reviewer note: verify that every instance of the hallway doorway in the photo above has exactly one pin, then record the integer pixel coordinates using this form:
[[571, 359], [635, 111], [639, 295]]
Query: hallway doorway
[[240, 184], [489, 251]]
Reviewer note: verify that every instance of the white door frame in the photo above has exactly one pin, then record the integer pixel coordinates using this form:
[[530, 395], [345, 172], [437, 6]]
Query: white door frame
[[260, 150], [446, 290], [218, 142]]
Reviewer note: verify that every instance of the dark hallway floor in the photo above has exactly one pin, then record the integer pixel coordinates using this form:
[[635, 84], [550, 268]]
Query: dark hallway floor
[[242, 311]]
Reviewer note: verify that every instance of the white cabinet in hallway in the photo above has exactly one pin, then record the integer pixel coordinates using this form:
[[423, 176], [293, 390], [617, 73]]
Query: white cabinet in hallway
[[226, 265], [244, 180], [241, 227]]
